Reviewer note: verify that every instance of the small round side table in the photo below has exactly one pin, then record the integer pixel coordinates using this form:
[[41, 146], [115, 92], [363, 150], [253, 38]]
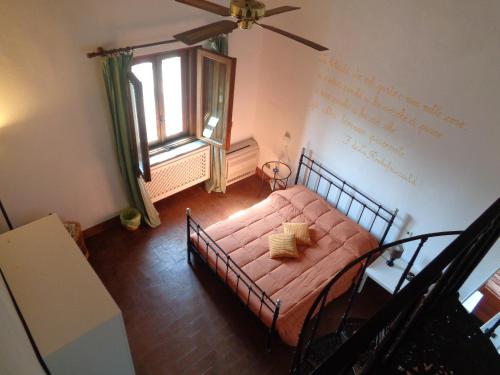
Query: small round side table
[[276, 173]]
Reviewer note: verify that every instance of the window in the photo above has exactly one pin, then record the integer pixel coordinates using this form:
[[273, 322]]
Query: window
[[179, 94], [165, 91], [215, 87]]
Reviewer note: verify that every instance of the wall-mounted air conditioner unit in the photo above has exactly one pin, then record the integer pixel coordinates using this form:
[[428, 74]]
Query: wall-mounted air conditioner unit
[[241, 160]]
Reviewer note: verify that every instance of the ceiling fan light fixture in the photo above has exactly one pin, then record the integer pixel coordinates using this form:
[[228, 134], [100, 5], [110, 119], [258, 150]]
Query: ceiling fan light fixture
[[247, 12]]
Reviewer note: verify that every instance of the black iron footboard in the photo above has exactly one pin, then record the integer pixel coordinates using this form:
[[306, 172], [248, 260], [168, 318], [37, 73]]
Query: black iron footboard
[[225, 265]]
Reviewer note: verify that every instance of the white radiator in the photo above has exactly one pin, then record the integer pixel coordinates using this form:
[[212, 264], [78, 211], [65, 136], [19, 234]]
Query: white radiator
[[179, 173], [241, 160]]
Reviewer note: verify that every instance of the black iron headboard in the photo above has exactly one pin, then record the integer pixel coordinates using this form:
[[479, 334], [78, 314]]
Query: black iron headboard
[[345, 197]]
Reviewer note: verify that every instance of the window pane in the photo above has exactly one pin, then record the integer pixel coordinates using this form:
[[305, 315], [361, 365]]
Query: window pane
[[144, 72], [172, 95], [214, 99]]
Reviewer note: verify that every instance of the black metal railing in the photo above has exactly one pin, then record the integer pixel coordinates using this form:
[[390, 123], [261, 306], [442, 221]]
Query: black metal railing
[[424, 300], [312, 321], [337, 190]]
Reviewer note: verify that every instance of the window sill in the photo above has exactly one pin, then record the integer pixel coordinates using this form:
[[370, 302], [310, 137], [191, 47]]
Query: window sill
[[169, 152]]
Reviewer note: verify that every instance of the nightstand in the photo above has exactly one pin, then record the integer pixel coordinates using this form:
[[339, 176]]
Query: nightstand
[[277, 174], [385, 276]]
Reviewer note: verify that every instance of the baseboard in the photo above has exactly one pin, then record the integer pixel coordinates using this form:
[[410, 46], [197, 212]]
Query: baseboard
[[259, 172], [112, 223]]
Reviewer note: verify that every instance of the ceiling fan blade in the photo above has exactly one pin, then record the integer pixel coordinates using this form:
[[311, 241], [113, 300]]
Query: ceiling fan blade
[[208, 6], [297, 38], [199, 34], [278, 10]]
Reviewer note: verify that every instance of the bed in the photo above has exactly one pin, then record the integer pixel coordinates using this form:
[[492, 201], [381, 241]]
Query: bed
[[343, 224]]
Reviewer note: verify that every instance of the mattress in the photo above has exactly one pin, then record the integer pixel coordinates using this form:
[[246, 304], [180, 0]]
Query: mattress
[[336, 241]]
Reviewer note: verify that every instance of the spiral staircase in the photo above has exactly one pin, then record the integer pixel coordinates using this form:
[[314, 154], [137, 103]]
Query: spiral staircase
[[422, 329]]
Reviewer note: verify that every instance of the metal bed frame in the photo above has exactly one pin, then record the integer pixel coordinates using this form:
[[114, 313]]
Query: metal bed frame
[[333, 188]]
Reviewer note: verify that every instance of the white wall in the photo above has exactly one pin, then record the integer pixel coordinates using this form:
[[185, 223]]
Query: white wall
[[442, 175], [246, 47], [56, 148]]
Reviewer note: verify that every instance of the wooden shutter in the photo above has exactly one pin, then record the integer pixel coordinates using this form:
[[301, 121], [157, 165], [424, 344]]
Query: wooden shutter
[[138, 131]]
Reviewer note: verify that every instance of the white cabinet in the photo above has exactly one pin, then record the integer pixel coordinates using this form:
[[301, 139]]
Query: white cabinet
[[75, 323]]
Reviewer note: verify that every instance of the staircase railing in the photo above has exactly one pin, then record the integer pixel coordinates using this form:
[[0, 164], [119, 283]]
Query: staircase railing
[[312, 321], [375, 343]]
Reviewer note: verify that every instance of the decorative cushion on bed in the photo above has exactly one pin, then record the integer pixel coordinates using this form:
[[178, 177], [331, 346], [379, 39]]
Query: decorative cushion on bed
[[300, 231], [282, 245]]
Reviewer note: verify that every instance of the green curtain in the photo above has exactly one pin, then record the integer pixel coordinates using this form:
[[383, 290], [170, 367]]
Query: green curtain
[[218, 44], [218, 178], [217, 181], [115, 70]]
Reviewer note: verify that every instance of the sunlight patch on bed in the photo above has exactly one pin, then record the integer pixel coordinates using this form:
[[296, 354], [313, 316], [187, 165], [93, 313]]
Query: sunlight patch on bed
[[238, 214]]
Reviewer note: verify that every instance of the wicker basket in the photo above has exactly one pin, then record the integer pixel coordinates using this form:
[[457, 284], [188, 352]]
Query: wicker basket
[[130, 218], [75, 230]]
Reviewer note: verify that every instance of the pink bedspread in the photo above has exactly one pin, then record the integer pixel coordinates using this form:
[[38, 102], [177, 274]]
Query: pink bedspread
[[336, 240]]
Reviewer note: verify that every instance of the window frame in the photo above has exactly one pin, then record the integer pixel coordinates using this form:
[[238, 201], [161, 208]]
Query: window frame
[[156, 61], [230, 63]]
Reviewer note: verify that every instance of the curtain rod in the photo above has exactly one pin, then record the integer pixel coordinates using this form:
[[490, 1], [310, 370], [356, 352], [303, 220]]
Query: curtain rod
[[103, 52]]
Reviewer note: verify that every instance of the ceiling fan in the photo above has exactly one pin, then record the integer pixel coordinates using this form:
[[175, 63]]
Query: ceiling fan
[[245, 12]]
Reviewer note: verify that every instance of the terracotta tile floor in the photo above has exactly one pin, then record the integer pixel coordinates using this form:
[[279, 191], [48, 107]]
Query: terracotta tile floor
[[182, 320]]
